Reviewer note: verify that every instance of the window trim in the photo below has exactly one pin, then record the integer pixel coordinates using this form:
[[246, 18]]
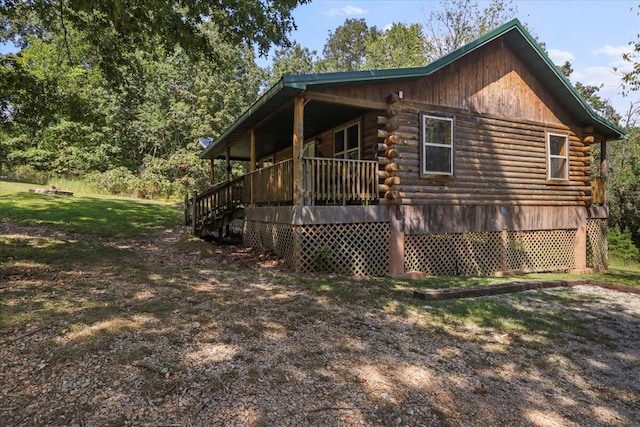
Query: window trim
[[345, 150], [424, 144], [550, 156]]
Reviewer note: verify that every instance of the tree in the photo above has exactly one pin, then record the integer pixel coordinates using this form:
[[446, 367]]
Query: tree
[[67, 119], [116, 29], [345, 48], [291, 60], [590, 94], [458, 22], [398, 47], [623, 186]]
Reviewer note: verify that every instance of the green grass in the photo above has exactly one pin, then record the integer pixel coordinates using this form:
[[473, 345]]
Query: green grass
[[95, 215]]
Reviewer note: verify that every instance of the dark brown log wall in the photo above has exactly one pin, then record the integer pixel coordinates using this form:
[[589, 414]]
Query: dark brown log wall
[[496, 162]]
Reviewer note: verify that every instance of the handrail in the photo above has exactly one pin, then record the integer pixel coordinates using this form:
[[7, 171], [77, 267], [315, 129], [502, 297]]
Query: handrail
[[270, 185], [324, 181], [215, 204], [340, 181]]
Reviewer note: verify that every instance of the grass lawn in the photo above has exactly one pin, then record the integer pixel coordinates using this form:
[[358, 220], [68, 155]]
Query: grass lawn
[[96, 215]]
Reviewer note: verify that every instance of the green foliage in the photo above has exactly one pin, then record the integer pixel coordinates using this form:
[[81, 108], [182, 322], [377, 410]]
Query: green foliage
[[398, 47], [116, 30], [346, 47], [621, 245], [67, 121], [623, 186], [117, 181], [173, 178], [601, 106], [291, 60], [28, 174]]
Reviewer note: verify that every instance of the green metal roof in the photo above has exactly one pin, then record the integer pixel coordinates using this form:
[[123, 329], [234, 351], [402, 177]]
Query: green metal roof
[[516, 36]]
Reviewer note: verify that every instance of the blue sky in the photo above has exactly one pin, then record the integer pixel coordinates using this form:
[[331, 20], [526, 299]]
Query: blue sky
[[592, 34]]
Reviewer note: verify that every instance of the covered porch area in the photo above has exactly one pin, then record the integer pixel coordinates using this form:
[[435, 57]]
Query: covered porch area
[[314, 206]]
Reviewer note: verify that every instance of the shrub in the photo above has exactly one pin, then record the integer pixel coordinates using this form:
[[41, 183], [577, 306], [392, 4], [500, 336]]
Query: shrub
[[25, 173], [118, 181], [621, 245], [172, 178]]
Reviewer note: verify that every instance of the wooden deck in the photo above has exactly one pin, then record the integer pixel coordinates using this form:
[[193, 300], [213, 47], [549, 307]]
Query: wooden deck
[[327, 182]]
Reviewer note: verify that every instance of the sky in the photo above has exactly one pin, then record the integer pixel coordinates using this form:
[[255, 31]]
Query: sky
[[592, 34]]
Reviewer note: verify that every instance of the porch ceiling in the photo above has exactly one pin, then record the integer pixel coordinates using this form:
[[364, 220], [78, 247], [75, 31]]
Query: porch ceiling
[[276, 133]]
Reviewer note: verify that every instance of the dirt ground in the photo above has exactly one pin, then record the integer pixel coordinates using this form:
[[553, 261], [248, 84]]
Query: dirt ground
[[183, 333]]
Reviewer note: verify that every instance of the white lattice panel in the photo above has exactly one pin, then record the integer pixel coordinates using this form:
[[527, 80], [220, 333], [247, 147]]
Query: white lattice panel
[[541, 250], [357, 249], [597, 246], [275, 237], [470, 254]]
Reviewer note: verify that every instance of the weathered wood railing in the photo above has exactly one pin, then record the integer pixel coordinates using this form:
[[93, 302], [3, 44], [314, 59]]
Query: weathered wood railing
[[325, 181], [597, 190], [338, 181], [215, 207], [270, 185]]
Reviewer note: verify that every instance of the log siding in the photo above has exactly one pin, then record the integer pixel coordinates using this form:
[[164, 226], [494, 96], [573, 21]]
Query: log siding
[[495, 163]]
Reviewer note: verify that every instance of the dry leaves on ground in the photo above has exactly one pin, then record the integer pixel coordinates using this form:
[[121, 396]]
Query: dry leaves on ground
[[184, 332]]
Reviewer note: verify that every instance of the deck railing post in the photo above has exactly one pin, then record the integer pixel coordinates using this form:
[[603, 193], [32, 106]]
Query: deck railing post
[[194, 214], [186, 209]]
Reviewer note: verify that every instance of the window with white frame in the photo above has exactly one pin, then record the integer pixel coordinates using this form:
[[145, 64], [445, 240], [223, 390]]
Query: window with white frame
[[558, 157], [437, 145], [346, 142]]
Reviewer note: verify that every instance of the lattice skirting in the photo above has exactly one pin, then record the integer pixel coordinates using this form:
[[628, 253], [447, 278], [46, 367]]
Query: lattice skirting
[[363, 249], [275, 237], [597, 247], [360, 249], [470, 254]]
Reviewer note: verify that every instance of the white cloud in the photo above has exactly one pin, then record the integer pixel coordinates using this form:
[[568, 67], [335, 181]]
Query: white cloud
[[615, 51], [560, 56], [347, 10], [596, 76], [387, 27]]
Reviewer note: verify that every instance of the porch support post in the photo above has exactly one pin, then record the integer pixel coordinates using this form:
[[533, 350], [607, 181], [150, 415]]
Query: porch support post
[[212, 174], [580, 249], [227, 158], [298, 146], [252, 166], [396, 253], [603, 159]]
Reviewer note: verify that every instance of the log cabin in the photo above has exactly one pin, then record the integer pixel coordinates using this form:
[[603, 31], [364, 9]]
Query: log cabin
[[477, 163]]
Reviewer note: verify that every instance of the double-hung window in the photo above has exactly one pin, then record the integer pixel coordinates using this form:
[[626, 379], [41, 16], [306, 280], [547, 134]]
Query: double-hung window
[[437, 145], [558, 157], [346, 142]]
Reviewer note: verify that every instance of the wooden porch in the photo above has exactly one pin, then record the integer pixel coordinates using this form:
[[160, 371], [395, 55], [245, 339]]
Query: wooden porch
[[324, 182]]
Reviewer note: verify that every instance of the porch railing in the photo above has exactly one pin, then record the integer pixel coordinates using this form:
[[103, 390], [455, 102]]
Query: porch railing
[[216, 207], [339, 181], [324, 181], [271, 185]]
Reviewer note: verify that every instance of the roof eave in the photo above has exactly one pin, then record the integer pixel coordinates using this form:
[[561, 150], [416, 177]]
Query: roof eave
[[219, 145]]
